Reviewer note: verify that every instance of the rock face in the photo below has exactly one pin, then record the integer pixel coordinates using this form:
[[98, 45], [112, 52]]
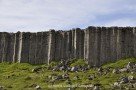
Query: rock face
[[97, 45]]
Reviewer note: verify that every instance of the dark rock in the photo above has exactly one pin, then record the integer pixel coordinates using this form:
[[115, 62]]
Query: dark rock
[[65, 76], [97, 84], [116, 71], [38, 87], [131, 78], [130, 65], [2, 88], [33, 85], [116, 84], [58, 77], [100, 69], [9, 86], [36, 69], [96, 88], [124, 70], [124, 80], [91, 77], [56, 68], [74, 69], [64, 67]]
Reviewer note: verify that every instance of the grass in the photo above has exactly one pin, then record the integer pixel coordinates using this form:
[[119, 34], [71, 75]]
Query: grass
[[119, 63], [19, 76]]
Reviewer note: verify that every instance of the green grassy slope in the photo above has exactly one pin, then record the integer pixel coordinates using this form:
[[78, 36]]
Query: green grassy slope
[[20, 76]]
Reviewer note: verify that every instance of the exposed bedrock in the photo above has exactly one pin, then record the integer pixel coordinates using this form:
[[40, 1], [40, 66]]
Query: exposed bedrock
[[97, 45]]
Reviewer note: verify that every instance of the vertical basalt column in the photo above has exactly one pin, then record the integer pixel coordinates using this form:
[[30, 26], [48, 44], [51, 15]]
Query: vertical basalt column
[[62, 45], [92, 46], [81, 44], [58, 45], [25, 47], [126, 42], [1, 46], [16, 46], [123, 35], [107, 45], [32, 48], [10, 47], [70, 47], [38, 54], [65, 46], [86, 44], [116, 44], [98, 63], [14, 49], [62, 48], [20, 47], [134, 40], [113, 43], [51, 46], [95, 37], [130, 42], [4, 45], [103, 45], [73, 50], [44, 51], [78, 43], [119, 43]]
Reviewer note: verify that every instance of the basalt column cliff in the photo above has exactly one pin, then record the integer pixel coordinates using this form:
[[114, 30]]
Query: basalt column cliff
[[97, 45]]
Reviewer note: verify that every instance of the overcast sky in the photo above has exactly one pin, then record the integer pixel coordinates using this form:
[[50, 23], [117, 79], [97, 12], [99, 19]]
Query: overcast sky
[[41, 15]]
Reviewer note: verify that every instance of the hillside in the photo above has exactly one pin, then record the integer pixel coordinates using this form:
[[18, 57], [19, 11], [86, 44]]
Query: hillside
[[22, 76]]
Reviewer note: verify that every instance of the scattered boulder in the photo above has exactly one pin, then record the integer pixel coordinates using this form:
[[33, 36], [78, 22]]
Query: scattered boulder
[[100, 69], [130, 65], [56, 68], [33, 85], [131, 77], [106, 70], [91, 77], [36, 69], [7, 76], [124, 80], [116, 71], [124, 70], [9, 86], [74, 69], [38, 87], [64, 67], [1, 87], [116, 84], [65, 76], [131, 86], [58, 77], [68, 69], [76, 77], [96, 88]]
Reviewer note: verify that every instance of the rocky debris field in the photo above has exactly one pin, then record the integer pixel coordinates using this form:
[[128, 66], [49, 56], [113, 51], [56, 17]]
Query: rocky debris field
[[73, 74]]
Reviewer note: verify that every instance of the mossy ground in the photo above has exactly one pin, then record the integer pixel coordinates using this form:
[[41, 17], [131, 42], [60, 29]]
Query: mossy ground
[[15, 76]]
